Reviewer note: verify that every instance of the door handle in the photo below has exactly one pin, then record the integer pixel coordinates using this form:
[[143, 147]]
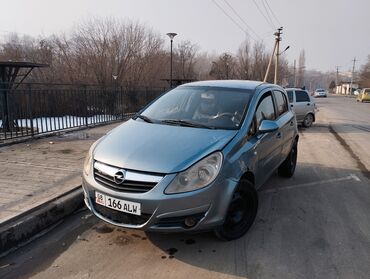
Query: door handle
[[291, 123], [308, 104], [278, 136], [291, 105]]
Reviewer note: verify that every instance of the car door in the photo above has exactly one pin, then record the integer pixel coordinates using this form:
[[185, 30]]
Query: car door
[[302, 104], [285, 120], [267, 147]]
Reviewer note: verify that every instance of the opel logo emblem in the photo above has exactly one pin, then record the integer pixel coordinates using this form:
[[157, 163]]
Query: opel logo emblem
[[119, 176]]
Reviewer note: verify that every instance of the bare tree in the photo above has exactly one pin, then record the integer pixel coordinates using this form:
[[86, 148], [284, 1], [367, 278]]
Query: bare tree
[[260, 60], [185, 55], [110, 52], [245, 61], [203, 65], [224, 67], [365, 74]]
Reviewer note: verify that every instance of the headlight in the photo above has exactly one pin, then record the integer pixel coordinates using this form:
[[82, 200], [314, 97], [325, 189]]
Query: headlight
[[87, 163], [197, 176], [89, 157]]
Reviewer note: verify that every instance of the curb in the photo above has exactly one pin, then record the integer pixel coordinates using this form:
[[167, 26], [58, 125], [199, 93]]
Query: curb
[[21, 229]]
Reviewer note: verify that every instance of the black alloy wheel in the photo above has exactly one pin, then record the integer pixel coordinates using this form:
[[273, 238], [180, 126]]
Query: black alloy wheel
[[241, 212]]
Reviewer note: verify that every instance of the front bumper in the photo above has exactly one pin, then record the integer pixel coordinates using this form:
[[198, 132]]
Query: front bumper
[[161, 212]]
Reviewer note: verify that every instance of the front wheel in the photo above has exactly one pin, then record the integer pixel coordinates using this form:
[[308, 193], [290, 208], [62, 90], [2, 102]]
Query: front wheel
[[241, 212]]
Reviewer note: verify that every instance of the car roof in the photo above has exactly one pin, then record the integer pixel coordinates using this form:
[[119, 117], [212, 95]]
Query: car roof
[[295, 88], [237, 84]]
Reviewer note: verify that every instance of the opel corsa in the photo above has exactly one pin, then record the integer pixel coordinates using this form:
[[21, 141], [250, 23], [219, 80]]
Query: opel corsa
[[193, 159]]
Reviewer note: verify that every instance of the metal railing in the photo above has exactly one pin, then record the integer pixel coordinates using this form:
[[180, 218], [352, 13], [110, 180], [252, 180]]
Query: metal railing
[[30, 111]]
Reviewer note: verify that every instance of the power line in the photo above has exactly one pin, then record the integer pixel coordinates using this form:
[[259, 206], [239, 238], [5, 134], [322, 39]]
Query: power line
[[272, 12], [237, 14], [258, 7], [267, 13], [235, 22]]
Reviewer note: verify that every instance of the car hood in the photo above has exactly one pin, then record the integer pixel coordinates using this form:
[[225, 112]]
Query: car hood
[[158, 148]]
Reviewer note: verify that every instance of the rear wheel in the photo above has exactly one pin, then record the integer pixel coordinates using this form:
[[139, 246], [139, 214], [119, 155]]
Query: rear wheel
[[241, 212], [308, 120], [287, 168]]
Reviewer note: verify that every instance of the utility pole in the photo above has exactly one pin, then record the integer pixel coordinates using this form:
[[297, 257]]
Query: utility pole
[[278, 39], [276, 49], [269, 65], [336, 80], [295, 77], [353, 72]]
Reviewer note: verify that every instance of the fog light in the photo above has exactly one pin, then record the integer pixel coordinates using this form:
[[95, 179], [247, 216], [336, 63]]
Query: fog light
[[190, 222]]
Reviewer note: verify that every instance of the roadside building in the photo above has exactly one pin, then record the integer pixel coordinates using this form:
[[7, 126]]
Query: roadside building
[[344, 88]]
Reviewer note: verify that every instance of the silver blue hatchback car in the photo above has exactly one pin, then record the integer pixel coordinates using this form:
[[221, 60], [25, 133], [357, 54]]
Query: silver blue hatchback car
[[193, 159]]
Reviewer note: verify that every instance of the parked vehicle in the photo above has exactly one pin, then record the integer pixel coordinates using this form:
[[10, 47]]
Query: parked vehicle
[[364, 95], [303, 105], [357, 92], [320, 93], [193, 159]]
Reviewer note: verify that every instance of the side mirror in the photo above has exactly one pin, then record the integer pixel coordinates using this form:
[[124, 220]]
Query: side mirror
[[268, 126]]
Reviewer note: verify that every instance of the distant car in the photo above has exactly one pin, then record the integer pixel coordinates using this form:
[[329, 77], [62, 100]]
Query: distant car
[[303, 105], [357, 92], [320, 93], [364, 95]]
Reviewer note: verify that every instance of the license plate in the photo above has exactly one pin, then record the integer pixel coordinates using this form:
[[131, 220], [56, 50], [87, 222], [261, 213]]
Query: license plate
[[118, 204]]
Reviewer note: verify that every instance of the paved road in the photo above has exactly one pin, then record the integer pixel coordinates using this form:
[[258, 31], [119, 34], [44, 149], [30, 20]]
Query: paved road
[[351, 121], [315, 225]]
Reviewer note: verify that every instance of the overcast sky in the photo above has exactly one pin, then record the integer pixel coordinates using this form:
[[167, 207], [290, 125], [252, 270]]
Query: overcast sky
[[332, 32]]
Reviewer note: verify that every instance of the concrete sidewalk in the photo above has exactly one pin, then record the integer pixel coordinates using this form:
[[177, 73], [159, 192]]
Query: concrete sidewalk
[[42, 170]]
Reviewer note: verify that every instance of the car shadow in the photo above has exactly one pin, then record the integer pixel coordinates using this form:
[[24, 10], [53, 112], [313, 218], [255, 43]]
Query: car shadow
[[306, 227], [360, 127]]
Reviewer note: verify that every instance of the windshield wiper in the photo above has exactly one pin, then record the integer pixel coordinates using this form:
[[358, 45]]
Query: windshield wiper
[[143, 117], [186, 123]]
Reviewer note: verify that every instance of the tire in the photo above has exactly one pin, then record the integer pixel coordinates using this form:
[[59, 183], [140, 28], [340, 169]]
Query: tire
[[287, 168], [241, 212], [308, 120]]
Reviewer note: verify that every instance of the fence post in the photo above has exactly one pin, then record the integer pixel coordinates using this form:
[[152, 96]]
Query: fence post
[[86, 107], [29, 105], [146, 96], [122, 103]]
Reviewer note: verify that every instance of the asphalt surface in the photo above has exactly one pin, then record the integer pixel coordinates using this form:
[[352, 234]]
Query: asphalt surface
[[314, 225]]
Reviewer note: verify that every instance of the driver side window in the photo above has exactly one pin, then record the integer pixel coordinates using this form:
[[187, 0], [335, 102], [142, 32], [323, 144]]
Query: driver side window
[[265, 111]]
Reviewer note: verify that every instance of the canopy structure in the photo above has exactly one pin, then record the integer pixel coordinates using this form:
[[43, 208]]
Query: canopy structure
[[12, 74]]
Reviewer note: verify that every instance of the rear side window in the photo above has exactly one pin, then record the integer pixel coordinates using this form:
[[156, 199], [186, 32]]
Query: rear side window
[[265, 109], [290, 96], [281, 103], [301, 96]]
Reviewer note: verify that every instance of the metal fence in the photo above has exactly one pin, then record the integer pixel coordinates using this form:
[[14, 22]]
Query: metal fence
[[31, 111]]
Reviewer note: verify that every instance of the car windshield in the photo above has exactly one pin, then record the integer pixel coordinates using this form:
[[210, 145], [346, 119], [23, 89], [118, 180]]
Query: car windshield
[[203, 107]]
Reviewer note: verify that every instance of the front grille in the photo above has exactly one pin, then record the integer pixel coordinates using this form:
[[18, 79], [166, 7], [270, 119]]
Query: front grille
[[121, 217], [126, 186], [136, 182]]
